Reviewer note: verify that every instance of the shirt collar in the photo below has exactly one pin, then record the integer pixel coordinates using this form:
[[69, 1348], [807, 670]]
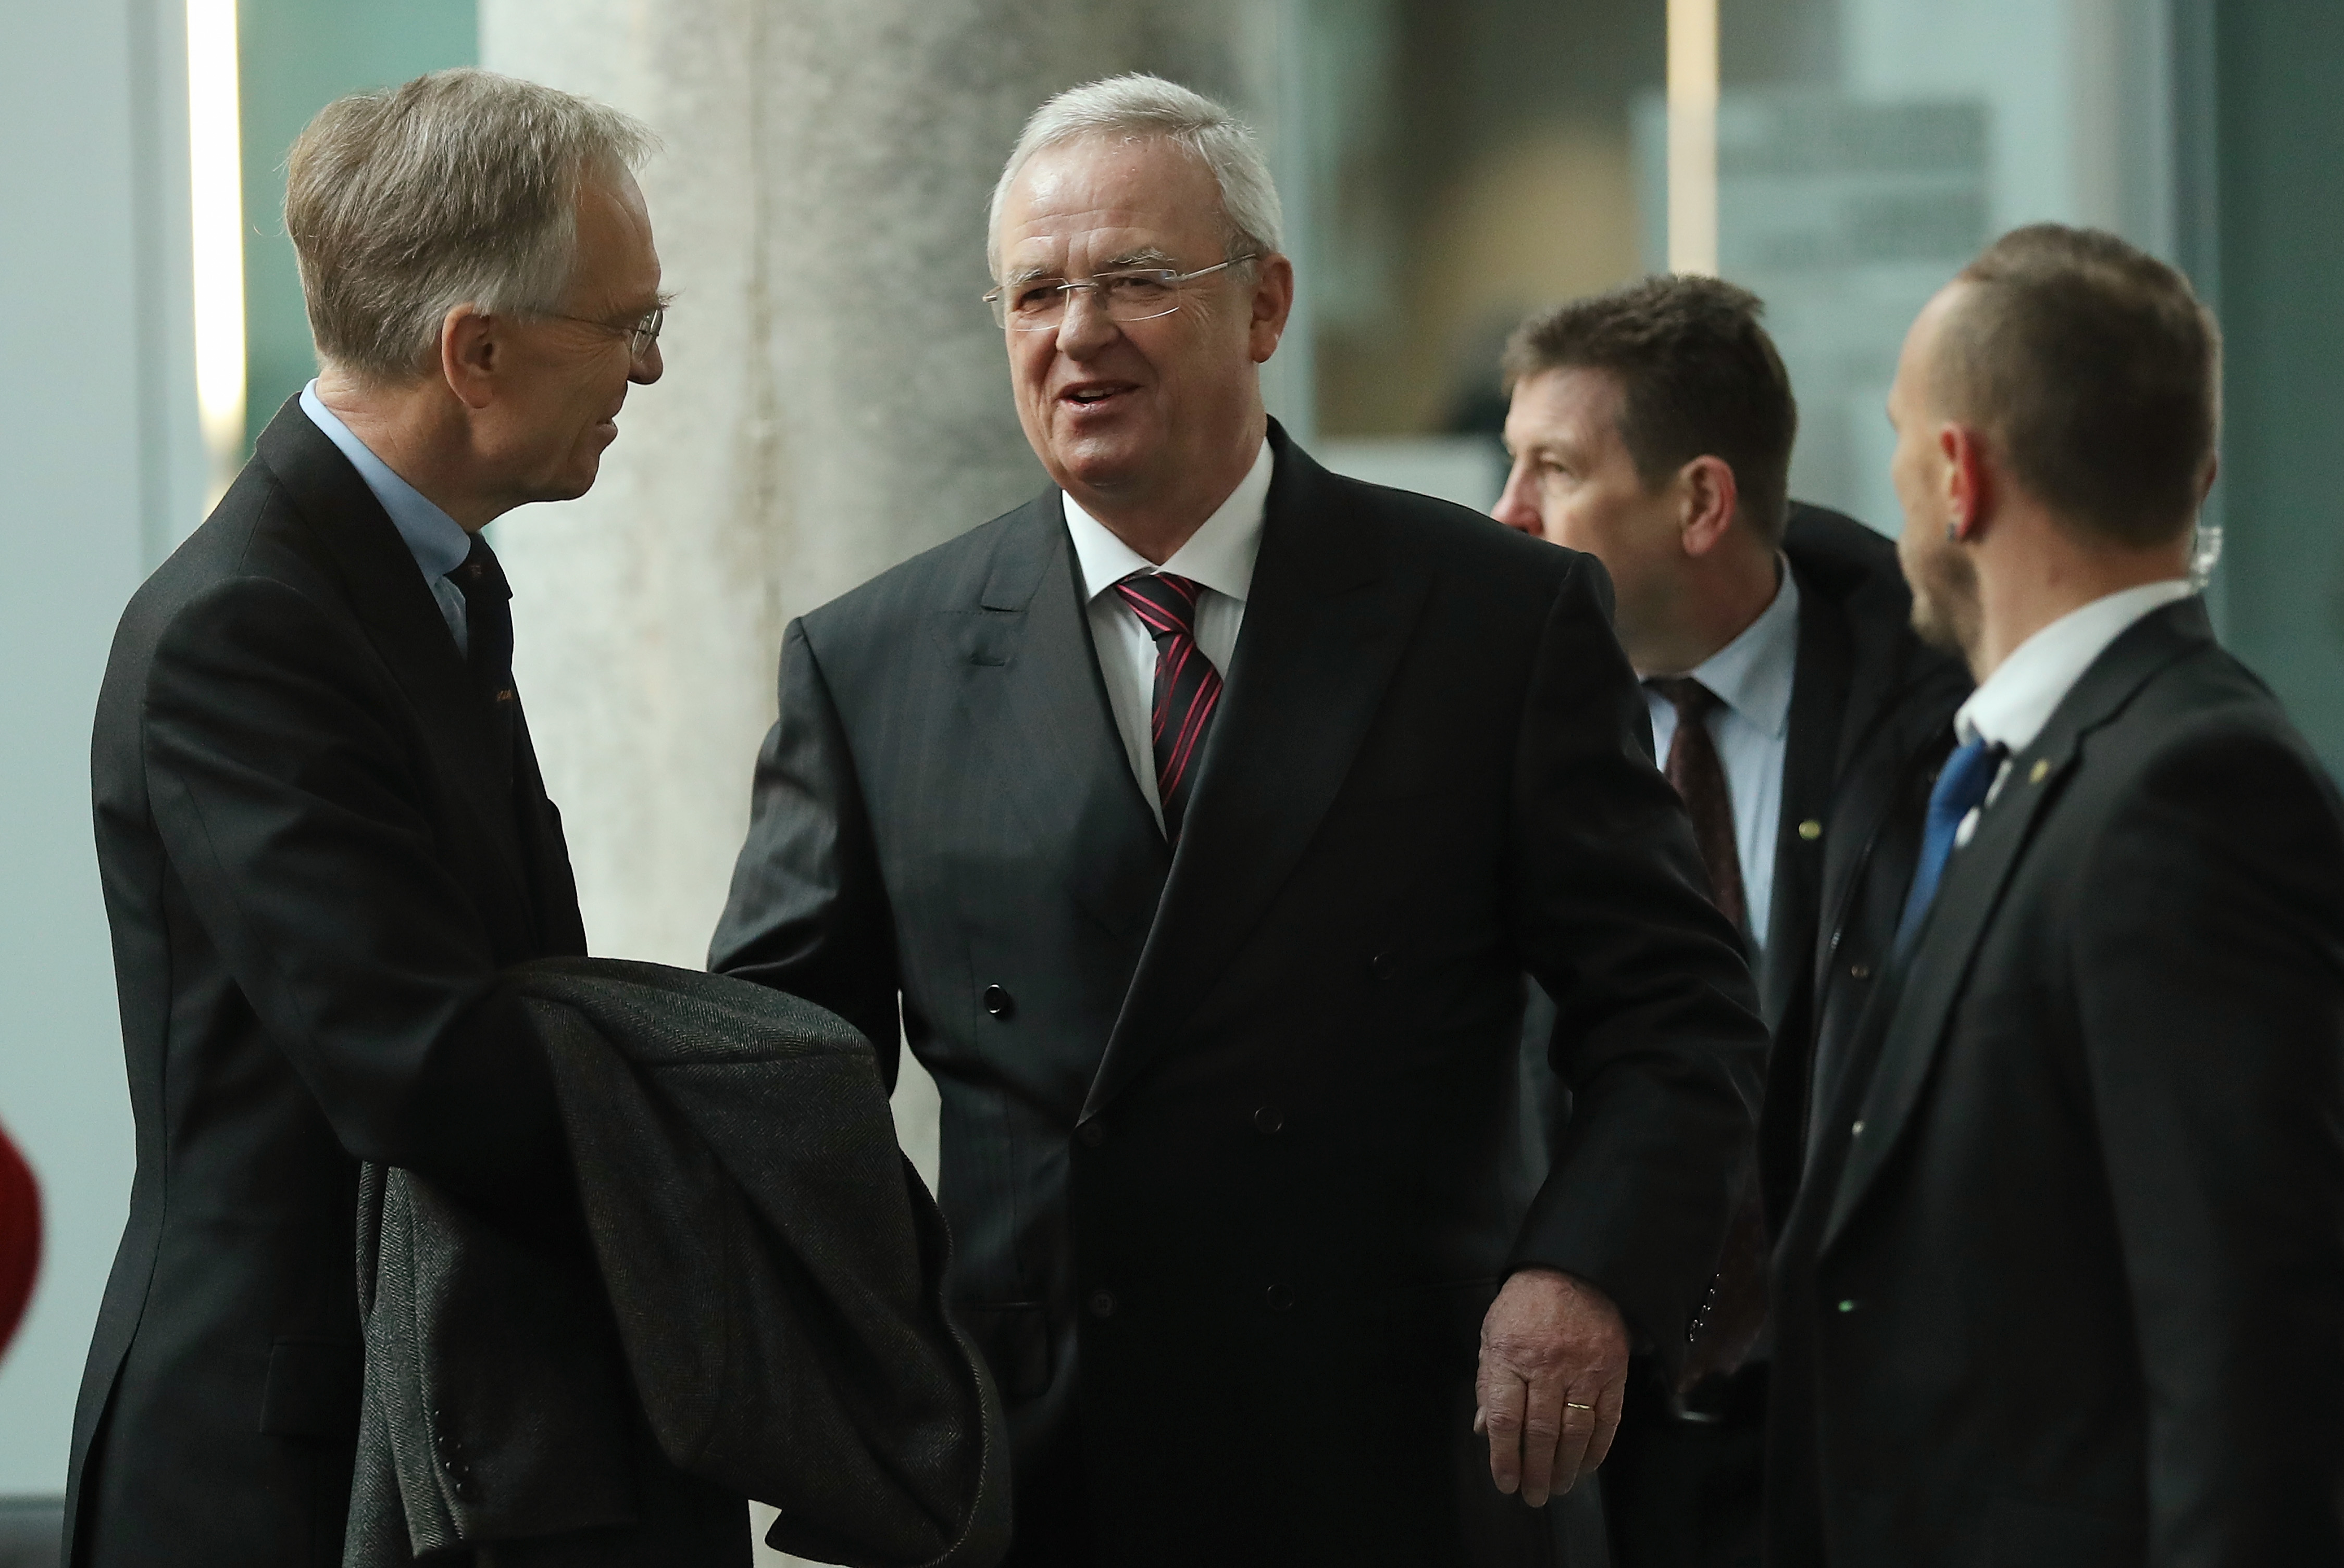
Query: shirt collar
[[1752, 674], [437, 541], [1220, 555], [2011, 706]]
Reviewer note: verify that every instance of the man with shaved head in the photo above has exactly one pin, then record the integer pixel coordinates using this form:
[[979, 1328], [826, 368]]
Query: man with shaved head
[[1195, 823], [2064, 1280]]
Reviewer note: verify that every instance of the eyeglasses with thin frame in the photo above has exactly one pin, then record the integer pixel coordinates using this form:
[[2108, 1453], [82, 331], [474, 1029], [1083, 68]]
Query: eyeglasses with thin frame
[[642, 333], [1127, 294]]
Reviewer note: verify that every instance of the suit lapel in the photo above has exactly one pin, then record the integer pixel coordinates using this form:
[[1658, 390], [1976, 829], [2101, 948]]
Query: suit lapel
[[1974, 881], [1818, 714], [1324, 626], [1030, 680], [401, 617]]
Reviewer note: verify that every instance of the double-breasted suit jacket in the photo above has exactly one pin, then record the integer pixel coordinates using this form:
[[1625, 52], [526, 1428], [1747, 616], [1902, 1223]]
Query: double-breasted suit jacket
[[1222, 1128], [2064, 1282], [318, 846]]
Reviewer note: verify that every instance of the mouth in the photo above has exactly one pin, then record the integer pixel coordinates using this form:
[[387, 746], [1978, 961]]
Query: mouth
[[1086, 396]]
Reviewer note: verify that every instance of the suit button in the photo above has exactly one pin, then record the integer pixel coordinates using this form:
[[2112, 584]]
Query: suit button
[[1383, 965], [1269, 1119], [998, 1002], [1092, 1133], [1279, 1298], [1859, 971], [1102, 1303]]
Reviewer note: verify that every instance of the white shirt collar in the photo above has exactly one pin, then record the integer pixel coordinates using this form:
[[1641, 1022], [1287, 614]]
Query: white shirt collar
[[437, 541], [1220, 555], [2011, 707], [1752, 674]]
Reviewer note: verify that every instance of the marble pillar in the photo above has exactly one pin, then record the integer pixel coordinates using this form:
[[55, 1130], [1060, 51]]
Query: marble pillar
[[836, 398]]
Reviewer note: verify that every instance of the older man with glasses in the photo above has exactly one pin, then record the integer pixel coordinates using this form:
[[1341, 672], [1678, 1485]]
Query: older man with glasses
[[319, 818], [1195, 823]]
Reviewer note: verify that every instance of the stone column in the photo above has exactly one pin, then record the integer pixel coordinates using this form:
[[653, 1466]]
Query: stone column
[[836, 400]]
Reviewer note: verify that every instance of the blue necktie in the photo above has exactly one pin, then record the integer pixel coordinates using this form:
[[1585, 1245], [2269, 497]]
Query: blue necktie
[[1961, 789]]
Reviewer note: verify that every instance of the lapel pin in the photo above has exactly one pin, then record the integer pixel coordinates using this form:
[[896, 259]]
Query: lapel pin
[[1811, 829], [2040, 771]]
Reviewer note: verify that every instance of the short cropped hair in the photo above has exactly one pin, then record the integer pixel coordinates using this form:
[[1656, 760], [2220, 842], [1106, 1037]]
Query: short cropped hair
[[461, 187], [1138, 108], [1698, 375], [2093, 369]]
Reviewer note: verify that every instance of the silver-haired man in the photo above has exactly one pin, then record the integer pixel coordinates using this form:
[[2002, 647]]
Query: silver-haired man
[[1197, 820], [319, 819]]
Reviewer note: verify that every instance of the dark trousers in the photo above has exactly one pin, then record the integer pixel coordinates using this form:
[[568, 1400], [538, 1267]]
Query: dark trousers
[[1680, 1493]]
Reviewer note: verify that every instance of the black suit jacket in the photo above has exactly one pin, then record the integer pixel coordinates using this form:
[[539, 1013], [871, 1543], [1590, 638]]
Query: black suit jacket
[[316, 858], [1872, 710], [2064, 1283], [1220, 1131]]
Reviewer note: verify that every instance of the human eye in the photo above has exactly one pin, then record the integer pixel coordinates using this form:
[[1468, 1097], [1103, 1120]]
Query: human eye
[[1139, 287], [1036, 294]]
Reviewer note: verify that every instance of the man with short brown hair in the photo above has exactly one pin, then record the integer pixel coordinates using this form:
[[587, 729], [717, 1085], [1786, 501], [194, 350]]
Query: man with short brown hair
[[2064, 1280], [1652, 426]]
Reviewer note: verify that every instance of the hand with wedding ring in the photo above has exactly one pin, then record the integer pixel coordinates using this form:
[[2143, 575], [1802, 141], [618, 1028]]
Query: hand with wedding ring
[[1554, 1364]]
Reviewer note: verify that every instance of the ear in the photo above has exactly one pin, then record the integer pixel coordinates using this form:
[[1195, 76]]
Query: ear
[[470, 355], [1708, 497], [1273, 302], [1969, 482]]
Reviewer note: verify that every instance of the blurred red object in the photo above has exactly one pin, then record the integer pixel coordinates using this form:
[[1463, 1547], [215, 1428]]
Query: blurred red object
[[20, 1237]]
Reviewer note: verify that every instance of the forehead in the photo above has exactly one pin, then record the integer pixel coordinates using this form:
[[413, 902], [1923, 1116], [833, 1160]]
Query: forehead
[[1100, 192], [616, 252], [1576, 407]]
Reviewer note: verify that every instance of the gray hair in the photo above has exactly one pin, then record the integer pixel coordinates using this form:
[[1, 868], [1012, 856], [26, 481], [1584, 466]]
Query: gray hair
[[458, 189], [1140, 107]]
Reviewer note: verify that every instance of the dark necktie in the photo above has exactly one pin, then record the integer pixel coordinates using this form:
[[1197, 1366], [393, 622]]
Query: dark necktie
[[1961, 789], [488, 637], [1730, 1319], [1700, 776], [1188, 687]]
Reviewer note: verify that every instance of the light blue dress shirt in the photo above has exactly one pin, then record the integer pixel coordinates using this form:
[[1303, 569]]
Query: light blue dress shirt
[[1752, 676], [437, 541]]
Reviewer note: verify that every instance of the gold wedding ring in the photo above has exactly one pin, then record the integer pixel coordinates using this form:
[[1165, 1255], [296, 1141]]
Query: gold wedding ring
[[1573, 1404]]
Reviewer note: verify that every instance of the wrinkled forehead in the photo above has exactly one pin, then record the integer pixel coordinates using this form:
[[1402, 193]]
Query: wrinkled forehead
[[1097, 201]]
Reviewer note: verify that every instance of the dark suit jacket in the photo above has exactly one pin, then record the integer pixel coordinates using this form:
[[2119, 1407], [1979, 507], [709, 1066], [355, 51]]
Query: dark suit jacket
[[2064, 1283], [1872, 710], [315, 860], [1220, 1133], [761, 1313]]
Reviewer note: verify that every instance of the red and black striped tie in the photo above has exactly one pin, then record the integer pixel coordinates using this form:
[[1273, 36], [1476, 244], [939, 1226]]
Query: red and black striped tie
[[1188, 687]]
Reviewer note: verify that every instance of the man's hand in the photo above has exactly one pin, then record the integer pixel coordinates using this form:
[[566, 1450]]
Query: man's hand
[[1554, 1362]]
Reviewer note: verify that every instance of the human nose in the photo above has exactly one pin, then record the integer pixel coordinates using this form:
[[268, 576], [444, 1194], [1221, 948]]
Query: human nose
[[648, 367], [1083, 330], [1516, 507]]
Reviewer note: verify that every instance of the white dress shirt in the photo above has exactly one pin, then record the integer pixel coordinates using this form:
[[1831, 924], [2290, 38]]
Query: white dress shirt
[[1751, 676], [2011, 706], [1218, 558], [437, 541]]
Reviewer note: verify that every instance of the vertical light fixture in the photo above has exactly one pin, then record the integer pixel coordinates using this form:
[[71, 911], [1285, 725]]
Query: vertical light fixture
[[216, 191], [1692, 136]]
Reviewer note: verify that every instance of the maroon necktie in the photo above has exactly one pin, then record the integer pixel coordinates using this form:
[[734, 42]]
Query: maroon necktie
[[1730, 1319], [1188, 687]]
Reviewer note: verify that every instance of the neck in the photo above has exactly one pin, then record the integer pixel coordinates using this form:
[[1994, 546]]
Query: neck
[[419, 431], [2047, 568], [1713, 601], [1156, 523]]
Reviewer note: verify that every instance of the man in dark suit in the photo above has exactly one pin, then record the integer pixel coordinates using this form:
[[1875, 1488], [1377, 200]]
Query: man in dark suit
[[2063, 1283], [319, 819], [1652, 426], [1220, 983]]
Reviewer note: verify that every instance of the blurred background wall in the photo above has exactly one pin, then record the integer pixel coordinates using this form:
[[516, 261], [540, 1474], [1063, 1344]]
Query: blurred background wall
[[835, 398]]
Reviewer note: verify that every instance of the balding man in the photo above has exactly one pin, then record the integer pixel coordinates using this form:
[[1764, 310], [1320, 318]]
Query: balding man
[[319, 818], [2063, 1282], [1197, 820]]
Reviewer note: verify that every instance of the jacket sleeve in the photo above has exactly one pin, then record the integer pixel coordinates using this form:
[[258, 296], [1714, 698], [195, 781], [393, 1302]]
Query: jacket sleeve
[[2208, 962], [808, 912], [293, 816], [1656, 1030]]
